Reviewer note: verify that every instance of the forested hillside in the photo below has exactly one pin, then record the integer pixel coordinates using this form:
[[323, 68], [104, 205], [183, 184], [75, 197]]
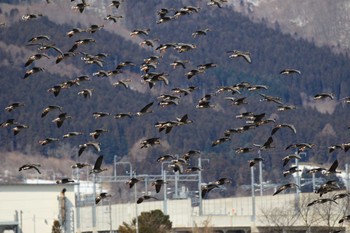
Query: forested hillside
[[321, 122]]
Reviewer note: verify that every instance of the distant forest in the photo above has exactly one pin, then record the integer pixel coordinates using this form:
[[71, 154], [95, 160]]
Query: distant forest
[[321, 122]]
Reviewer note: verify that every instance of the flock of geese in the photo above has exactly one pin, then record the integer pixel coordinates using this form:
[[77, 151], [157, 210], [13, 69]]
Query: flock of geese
[[151, 78]]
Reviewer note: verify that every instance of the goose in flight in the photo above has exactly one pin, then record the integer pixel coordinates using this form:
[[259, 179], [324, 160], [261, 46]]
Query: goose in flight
[[122, 83], [101, 196], [237, 53], [13, 106], [132, 182], [61, 118], [287, 158], [81, 6], [49, 109], [200, 32], [324, 96], [145, 197], [285, 187], [252, 162], [220, 141], [97, 115], [140, 32], [97, 132], [18, 128], [86, 93], [279, 126], [64, 181], [332, 169], [207, 188], [321, 201], [30, 166], [165, 157], [150, 142], [27, 17], [95, 145], [123, 115], [327, 187], [291, 170], [80, 165], [8, 122], [97, 166], [35, 57], [144, 110], [47, 141], [39, 38], [158, 184], [301, 146], [74, 31], [33, 70], [178, 62], [290, 71]]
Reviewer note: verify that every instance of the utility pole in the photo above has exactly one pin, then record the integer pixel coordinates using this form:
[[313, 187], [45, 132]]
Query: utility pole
[[94, 203], [165, 201], [200, 186], [136, 214], [260, 174], [253, 193]]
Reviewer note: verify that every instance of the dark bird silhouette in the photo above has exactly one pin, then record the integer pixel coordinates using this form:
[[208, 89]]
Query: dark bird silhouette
[[332, 169], [86, 93], [291, 170], [287, 158], [35, 57], [47, 141], [39, 38], [33, 70], [202, 32], [145, 197], [61, 118], [80, 165], [49, 109], [266, 145], [123, 115], [252, 162], [321, 201], [140, 32], [81, 6], [18, 128], [345, 218], [8, 122], [13, 106], [150, 142], [290, 71], [165, 157], [340, 195], [97, 166], [158, 184], [324, 96], [97, 115], [97, 132], [241, 150], [64, 181], [101, 196], [220, 141], [237, 53], [207, 188], [74, 31], [327, 187], [30, 166], [95, 145], [279, 126], [285, 187], [144, 110], [300, 146], [132, 182]]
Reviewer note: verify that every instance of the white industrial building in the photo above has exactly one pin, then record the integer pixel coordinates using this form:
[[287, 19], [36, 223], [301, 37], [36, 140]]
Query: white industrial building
[[32, 208]]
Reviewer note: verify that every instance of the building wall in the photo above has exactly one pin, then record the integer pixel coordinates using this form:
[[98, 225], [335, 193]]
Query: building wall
[[35, 206]]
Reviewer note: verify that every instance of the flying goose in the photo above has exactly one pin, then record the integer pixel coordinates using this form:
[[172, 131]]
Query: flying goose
[[321, 201], [33, 70], [291, 170], [237, 53], [115, 4], [74, 31], [324, 96], [47, 141], [340, 195], [30, 166], [101, 196], [80, 165], [18, 128], [200, 32], [122, 115], [268, 98], [95, 145], [165, 157], [132, 182], [150, 142], [144, 110], [61, 118], [49, 109], [220, 141], [287, 158], [279, 126], [193, 169], [145, 197], [241, 150], [97, 115], [64, 181], [286, 107], [38, 38], [301, 146], [81, 6], [97, 166], [113, 18], [35, 57], [27, 17], [290, 71], [86, 93], [140, 32], [285, 187], [158, 184], [8, 122], [252, 162], [97, 132], [332, 169], [207, 188], [177, 63], [327, 187], [13, 106]]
